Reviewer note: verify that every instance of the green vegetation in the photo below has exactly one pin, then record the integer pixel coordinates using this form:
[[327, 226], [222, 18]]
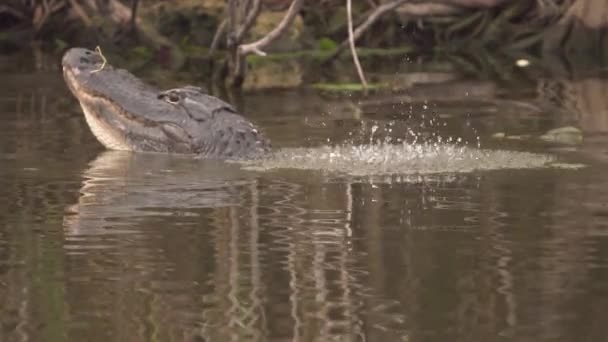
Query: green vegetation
[[321, 55], [348, 87]]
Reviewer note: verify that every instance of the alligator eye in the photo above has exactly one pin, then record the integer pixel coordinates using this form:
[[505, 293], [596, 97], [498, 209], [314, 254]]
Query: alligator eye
[[173, 98]]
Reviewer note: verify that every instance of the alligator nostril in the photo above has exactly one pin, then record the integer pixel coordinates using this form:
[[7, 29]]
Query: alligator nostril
[[84, 60]]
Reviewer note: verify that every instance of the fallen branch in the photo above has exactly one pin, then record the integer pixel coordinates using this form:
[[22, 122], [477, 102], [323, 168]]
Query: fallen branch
[[257, 46], [351, 40], [431, 9]]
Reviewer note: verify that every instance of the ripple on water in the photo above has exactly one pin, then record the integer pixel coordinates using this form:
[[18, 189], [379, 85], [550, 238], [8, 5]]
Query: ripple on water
[[405, 159]]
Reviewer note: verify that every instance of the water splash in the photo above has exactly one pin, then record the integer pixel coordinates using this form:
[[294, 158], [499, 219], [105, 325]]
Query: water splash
[[398, 159]]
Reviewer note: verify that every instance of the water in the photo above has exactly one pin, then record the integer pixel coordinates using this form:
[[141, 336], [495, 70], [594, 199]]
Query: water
[[399, 159], [373, 222]]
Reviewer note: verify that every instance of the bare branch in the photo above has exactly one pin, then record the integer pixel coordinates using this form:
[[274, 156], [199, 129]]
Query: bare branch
[[351, 40], [221, 29], [134, 15], [57, 5], [232, 22], [257, 46], [376, 14], [249, 20], [12, 11], [43, 11], [444, 5], [436, 8], [371, 19]]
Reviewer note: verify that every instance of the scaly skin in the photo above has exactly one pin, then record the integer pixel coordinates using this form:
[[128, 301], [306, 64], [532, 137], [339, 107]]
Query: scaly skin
[[126, 114]]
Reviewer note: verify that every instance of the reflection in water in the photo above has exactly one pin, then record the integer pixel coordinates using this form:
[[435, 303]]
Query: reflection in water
[[123, 186], [265, 252]]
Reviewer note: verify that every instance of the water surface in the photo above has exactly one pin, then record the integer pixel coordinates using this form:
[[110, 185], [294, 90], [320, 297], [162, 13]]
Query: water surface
[[397, 217]]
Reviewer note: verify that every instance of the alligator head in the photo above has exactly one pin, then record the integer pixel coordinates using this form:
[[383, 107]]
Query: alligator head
[[126, 114]]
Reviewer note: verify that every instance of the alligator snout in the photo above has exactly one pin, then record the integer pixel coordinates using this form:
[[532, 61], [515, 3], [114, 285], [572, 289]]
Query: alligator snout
[[82, 59]]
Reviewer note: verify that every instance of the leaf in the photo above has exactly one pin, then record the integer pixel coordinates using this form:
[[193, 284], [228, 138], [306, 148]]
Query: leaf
[[326, 44]]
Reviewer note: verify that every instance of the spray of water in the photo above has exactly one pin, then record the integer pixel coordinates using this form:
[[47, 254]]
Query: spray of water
[[398, 159], [412, 146]]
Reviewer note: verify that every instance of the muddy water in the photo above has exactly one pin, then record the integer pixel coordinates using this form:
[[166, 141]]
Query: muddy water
[[436, 214]]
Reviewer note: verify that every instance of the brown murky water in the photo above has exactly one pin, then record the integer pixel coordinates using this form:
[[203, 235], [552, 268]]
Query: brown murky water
[[508, 245]]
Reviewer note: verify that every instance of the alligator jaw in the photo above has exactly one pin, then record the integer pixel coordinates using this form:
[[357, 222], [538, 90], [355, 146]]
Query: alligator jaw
[[103, 127], [115, 127]]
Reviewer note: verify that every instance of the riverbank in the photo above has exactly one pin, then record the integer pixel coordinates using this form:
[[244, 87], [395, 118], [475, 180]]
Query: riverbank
[[185, 29]]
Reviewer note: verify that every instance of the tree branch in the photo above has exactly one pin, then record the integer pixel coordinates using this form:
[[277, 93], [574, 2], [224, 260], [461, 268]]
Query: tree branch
[[231, 43], [257, 46], [249, 20], [12, 11], [351, 40], [371, 19], [134, 15], [414, 9], [221, 29], [232, 22]]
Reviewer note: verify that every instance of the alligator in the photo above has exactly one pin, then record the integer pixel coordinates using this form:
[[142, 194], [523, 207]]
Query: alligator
[[124, 113]]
